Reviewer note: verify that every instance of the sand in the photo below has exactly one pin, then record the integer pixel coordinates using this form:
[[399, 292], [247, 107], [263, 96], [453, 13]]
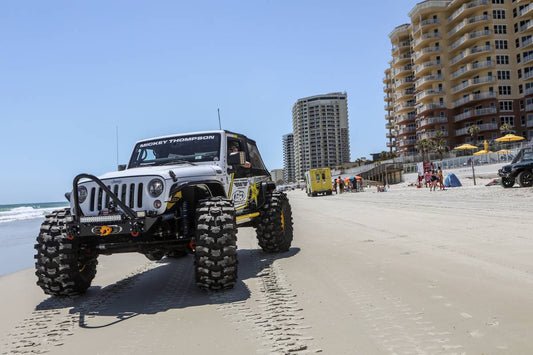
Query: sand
[[407, 271]]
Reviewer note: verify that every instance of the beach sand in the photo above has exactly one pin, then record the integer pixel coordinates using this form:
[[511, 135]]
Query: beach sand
[[401, 272]]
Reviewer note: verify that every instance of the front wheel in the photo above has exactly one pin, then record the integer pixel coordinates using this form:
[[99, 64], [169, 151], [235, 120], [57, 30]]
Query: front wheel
[[274, 225], [525, 178], [507, 182], [62, 267], [216, 244]]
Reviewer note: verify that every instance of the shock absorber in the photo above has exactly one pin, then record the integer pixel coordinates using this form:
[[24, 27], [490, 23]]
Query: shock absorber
[[185, 218]]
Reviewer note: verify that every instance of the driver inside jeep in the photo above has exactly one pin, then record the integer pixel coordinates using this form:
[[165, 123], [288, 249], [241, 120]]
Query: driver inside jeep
[[234, 149]]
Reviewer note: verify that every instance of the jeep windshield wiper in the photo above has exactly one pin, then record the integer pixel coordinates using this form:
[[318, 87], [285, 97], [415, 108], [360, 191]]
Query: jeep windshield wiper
[[178, 162]]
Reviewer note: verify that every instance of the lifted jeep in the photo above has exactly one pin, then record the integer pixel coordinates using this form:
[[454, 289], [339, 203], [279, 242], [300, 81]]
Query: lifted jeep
[[178, 194], [520, 170]]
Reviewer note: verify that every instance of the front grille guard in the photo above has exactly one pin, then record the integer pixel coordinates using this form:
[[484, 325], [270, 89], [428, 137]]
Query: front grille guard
[[77, 208]]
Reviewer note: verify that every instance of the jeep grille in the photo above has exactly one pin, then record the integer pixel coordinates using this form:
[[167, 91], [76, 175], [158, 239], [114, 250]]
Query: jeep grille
[[130, 194]]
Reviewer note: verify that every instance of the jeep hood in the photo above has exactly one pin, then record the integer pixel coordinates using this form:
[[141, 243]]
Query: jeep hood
[[181, 171]]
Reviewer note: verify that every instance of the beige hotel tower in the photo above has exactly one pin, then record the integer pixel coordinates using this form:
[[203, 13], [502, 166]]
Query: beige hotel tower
[[460, 63], [321, 137]]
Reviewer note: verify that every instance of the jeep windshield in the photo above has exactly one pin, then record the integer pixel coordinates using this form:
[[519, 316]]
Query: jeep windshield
[[176, 150]]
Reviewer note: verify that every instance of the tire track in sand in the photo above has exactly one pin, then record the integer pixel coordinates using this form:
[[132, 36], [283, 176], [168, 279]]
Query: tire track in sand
[[52, 320], [272, 311]]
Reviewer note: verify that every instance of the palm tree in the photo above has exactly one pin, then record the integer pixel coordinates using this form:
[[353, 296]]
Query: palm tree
[[423, 146], [439, 144], [506, 128], [473, 131]]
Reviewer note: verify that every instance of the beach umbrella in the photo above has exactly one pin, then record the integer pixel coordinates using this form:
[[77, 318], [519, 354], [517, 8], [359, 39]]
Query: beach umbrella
[[509, 138], [467, 146], [504, 151], [481, 152]]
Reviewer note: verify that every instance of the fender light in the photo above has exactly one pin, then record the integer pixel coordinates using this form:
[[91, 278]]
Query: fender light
[[100, 219]]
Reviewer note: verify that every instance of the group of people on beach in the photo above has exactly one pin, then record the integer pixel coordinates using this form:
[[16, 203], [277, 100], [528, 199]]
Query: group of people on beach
[[432, 178], [346, 185]]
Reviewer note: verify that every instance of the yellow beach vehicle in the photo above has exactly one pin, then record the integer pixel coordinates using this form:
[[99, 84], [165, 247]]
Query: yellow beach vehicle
[[318, 181]]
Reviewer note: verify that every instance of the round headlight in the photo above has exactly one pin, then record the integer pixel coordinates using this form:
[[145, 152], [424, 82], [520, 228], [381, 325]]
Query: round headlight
[[82, 194], [155, 187]]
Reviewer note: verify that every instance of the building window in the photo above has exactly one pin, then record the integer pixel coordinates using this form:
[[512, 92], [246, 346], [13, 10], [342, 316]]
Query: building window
[[500, 29], [501, 44], [504, 75], [498, 14], [507, 119], [502, 59], [498, 2], [506, 105], [504, 89]]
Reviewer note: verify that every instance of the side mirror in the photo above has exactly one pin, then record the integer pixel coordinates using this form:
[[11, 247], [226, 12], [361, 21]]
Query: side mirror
[[236, 158], [122, 167]]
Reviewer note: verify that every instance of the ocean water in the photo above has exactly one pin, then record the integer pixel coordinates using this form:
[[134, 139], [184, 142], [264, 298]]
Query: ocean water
[[19, 227]]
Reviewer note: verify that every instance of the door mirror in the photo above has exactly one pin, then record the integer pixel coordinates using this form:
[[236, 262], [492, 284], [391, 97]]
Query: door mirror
[[122, 167]]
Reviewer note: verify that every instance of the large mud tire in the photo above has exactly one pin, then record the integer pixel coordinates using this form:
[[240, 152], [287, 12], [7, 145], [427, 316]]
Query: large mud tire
[[525, 178], [507, 182], [274, 225], [60, 269], [216, 244]]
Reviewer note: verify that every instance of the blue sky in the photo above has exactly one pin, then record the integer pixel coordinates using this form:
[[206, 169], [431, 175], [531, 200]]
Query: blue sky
[[72, 71]]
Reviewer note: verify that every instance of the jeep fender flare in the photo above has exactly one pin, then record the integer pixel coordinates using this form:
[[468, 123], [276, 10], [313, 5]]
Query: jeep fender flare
[[209, 188]]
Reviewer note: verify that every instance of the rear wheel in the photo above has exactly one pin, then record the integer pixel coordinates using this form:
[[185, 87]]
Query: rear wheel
[[274, 225], [507, 182], [216, 244], [62, 267], [525, 178]]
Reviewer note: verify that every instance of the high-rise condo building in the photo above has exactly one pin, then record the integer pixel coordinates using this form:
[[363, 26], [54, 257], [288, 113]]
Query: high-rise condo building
[[288, 158], [459, 64], [320, 127]]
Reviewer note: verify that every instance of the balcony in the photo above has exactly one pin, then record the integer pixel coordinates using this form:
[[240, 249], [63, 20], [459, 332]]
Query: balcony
[[469, 53], [468, 37], [426, 23], [470, 68], [476, 113], [389, 116], [432, 134], [482, 128], [389, 125], [402, 58], [426, 107], [429, 93], [406, 130], [406, 69], [525, 10], [391, 144], [473, 82], [528, 75], [474, 97], [527, 26], [527, 42], [425, 38], [432, 120], [466, 7], [409, 106], [427, 79], [426, 51], [467, 23], [419, 69], [404, 82], [405, 94]]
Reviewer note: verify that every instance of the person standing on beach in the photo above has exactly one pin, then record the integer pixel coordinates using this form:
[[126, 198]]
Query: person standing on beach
[[441, 178], [335, 185], [433, 181], [341, 185]]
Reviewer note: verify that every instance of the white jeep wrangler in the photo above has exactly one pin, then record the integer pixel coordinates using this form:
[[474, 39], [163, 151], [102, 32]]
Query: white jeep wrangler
[[179, 194]]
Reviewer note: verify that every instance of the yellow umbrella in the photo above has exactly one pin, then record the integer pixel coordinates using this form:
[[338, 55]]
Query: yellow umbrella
[[466, 146], [509, 138], [504, 151], [469, 146], [481, 152]]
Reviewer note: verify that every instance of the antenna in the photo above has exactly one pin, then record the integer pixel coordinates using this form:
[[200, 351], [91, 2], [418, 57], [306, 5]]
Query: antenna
[[116, 130], [219, 124]]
